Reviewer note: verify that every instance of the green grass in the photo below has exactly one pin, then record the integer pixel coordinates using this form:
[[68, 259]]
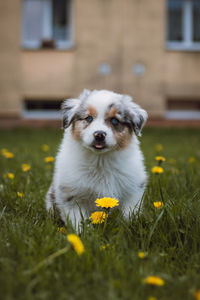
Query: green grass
[[170, 235]]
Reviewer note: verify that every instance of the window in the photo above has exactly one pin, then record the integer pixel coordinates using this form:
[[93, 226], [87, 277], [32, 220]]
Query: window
[[41, 109], [47, 23], [183, 109], [183, 31]]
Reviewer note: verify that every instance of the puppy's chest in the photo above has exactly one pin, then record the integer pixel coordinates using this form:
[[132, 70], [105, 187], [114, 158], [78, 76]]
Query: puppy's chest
[[100, 181]]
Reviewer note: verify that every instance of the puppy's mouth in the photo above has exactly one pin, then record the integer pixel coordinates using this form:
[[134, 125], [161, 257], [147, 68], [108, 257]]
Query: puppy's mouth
[[99, 145]]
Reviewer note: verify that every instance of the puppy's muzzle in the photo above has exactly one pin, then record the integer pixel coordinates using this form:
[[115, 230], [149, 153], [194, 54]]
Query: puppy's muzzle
[[100, 136], [99, 139]]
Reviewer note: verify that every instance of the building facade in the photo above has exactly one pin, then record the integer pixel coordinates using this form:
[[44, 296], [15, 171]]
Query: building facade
[[53, 49]]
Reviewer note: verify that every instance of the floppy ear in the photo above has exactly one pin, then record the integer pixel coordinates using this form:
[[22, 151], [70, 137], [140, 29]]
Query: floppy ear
[[70, 107], [136, 115]]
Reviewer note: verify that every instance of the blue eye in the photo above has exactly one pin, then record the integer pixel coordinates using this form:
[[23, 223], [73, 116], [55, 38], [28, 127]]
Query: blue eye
[[114, 121], [89, 119]]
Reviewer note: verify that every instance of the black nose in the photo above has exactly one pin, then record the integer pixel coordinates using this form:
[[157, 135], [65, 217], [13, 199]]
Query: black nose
[[99, 135]]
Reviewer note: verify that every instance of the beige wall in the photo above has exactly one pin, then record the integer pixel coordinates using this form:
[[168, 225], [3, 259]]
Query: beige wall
[[120, 33], [47, 74], [10, 57], [182, 75]]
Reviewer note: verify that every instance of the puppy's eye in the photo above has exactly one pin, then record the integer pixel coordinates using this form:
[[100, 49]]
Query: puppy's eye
[[114, 121], [89, 119]]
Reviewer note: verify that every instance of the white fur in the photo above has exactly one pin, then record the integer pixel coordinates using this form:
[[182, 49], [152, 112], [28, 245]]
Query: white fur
[[83, 174]]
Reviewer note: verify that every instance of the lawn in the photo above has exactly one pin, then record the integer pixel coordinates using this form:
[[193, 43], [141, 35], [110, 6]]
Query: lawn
[[119, 255]]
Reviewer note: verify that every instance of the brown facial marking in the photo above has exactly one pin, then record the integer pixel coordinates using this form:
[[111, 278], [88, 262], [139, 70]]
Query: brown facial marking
[[77, 128], [122, 137], [112, 112], [122, 134], [92, 111], [121, 131], [79, 123]]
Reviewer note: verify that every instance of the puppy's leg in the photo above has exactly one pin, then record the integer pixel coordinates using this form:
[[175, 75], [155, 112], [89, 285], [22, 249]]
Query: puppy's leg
[[68, 206], [133, 203], [71, 213], [62, 204], [52, 207], [50, 198]]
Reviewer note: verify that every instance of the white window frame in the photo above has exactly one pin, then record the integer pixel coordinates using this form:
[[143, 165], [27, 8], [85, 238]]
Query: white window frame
[[187, 28], [41, 114], [182, 115], [47, 29]]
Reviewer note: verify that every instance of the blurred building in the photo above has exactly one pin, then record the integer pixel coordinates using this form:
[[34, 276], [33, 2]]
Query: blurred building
[[53, 49]]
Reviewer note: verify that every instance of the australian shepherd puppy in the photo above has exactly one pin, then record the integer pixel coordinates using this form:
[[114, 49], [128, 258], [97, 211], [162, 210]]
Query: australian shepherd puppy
[[99, 155]]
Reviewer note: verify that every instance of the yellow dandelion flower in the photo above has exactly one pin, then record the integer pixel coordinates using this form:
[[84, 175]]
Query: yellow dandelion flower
[[197, 295], [4, 150], [159, 147], [26, 167], [152, 298], [98, 217], [45, 148], [49, 159], [10, 175], [160, 159], [157, 170], [154, 280], [107, 202], [8, 154], [142, 254], [76, 243], [20, 195], [158, 204], [191, 160], [62, 230]]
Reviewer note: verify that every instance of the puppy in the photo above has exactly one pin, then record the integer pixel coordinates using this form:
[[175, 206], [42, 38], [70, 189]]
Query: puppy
[[99, 155]]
